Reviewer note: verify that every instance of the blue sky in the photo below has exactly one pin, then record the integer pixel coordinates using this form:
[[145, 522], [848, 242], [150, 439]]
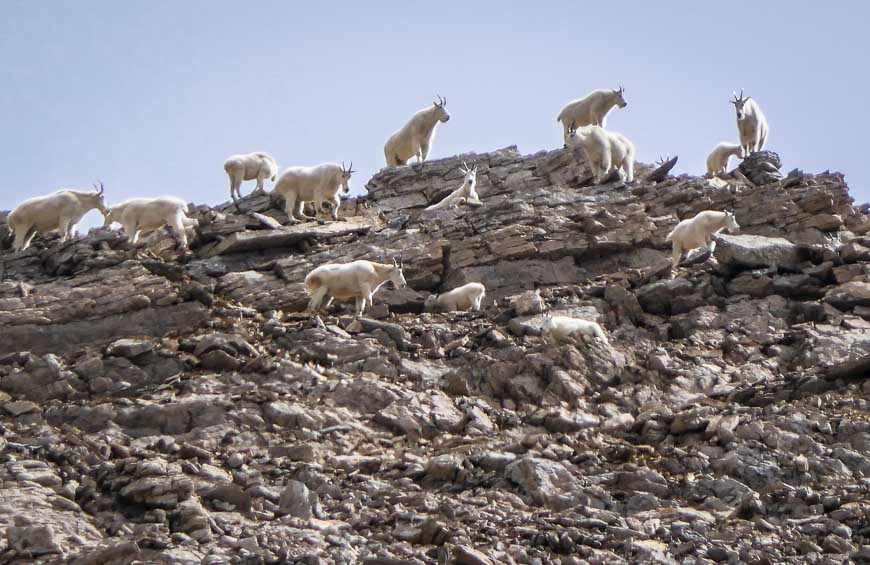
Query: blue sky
[[152, 96]]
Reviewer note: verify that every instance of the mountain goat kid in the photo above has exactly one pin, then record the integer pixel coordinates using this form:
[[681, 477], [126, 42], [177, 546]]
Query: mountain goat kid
[[60, 211], [717, 161], [698, 232], [464, 298], [319, 184], [465, 194], [357, 279], [751, 124], [144, 214], [415, 137], [604, 151], [250, 166], [564, 329], [591, 110]]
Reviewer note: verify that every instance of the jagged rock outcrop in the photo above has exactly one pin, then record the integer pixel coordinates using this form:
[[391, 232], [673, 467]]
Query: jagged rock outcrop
[[178, 407]]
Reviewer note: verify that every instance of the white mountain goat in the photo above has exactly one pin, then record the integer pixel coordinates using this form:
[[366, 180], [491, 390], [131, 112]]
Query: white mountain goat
[[250, 166], [565, 329], [357, 279], [592, 109], [622, 154], [415, 137], [751, 124], [464, 298], [698, 231], [465, 194], [144, 214], [604, 151], [319, 184], [60, 211], [717, 161]]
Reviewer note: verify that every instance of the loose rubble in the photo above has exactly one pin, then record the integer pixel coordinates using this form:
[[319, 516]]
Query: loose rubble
[[179, 407]]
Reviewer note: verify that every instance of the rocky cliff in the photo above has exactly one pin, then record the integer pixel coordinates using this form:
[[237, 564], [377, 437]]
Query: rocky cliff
[[169, 407]]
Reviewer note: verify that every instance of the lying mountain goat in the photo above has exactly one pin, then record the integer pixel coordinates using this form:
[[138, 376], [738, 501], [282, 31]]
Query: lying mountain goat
[[591, 110], [751, 124], [465, 194], [415, 137], [698, 232], [604, 151], [319, 184], [60, 210], [565, 329], [144, 214], [357, 279], [464, 298], [257, 165], [717, 162]]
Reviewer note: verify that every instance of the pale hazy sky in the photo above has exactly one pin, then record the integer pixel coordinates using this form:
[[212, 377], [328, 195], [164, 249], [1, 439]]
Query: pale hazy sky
[[151, 97]]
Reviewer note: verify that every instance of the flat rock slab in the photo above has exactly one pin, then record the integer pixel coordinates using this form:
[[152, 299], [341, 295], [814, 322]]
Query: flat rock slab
[[753, 251], [284, 236], [849, 295]]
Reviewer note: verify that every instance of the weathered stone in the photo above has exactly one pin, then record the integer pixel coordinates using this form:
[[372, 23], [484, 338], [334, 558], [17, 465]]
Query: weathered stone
[[849, 295], [240, 242], [297, 501], [752, 251], [721, 422], [129, 348]]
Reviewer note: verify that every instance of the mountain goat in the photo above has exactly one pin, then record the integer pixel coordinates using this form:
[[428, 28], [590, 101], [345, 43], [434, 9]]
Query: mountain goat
[[591, 110], [717, 161], [144, 214], [357, 279], [319, 184], [464, 298], [751, 124], [60, 210], [604, 151], [565, 329], [465, 194], [698, 232], [250, 166], [415, 137]]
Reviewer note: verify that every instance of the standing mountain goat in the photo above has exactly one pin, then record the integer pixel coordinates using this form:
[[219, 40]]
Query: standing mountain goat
[[604, 151], [415, 137], [464, 298], [357, 279], [698, 232], [591, 110], [717, 162], [751, 124], [257, 165], [319, 184], [465, 194], [144, 214], [565, 329], [60, 210]]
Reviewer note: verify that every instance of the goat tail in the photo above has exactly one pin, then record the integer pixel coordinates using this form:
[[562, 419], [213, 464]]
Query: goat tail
[[670, 235]]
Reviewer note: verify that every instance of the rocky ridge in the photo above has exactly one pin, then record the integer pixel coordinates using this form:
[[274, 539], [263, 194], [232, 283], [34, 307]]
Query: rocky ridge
[[159, 406]]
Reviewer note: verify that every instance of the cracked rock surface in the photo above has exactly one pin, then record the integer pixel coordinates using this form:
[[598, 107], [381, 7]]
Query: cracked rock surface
[[159, 406]]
